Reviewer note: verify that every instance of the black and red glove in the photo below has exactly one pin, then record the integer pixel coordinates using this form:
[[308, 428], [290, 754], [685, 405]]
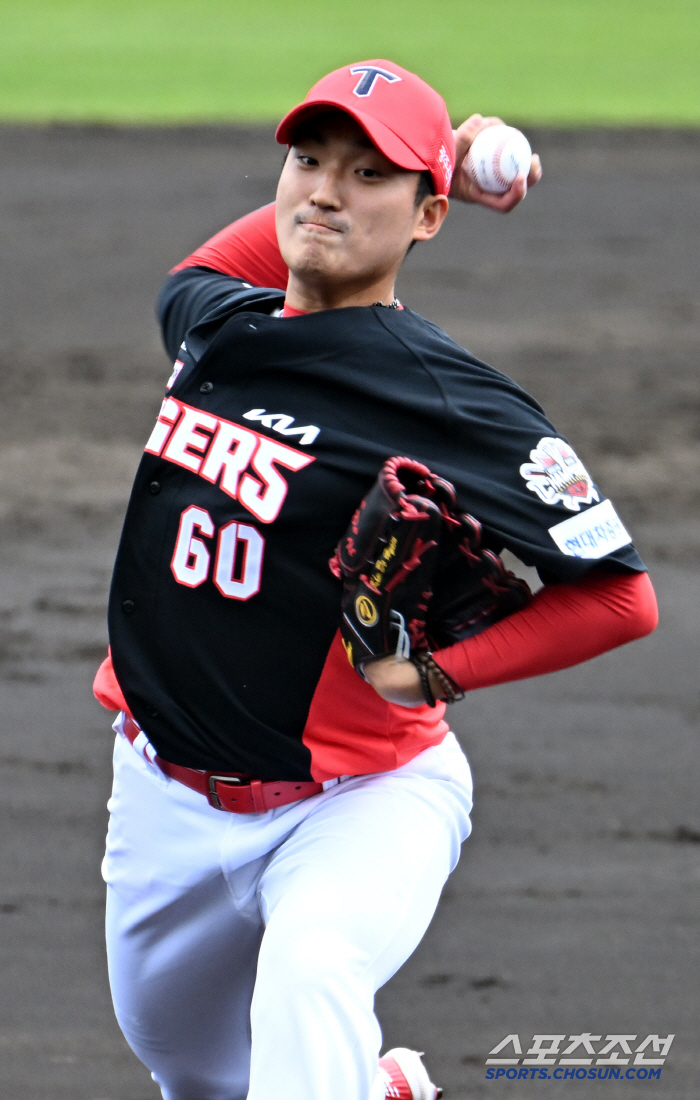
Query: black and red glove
[[415, 575], [386, 560]]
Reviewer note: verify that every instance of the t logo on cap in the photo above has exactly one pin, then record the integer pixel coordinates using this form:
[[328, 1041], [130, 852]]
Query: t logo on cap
[[365, 86]]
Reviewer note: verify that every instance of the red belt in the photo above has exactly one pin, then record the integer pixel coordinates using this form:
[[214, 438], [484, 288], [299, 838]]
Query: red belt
[[231, 791]]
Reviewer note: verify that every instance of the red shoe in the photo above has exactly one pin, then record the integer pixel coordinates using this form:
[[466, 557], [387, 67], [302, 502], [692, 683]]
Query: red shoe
[[405, 1076]]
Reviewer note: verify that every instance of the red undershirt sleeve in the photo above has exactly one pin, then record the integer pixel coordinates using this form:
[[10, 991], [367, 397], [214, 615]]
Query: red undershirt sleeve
[[246, 249], [564, 625]]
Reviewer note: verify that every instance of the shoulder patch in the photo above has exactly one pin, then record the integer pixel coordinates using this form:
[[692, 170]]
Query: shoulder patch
[[556, 474]]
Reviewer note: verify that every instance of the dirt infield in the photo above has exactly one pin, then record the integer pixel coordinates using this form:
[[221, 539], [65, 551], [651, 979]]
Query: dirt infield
[[573, 909]]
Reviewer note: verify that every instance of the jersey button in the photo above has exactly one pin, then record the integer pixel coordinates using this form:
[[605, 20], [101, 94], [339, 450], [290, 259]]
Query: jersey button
[[128, 606], [206, 387], [154, 488]]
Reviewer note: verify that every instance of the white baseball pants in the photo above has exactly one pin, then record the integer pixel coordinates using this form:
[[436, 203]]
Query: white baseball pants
[[245, 950]]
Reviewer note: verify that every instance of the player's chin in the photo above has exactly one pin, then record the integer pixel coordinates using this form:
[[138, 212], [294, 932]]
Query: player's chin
[[316, 259]]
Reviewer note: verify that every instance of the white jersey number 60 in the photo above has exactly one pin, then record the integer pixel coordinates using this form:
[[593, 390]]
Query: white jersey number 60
[[239, 555]]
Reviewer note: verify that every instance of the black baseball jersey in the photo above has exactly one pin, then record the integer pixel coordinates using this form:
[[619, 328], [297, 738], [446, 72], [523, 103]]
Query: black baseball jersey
[[224, 613]]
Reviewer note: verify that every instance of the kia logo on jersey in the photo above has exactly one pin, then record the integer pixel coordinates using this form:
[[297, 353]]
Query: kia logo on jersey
[[370, 76]]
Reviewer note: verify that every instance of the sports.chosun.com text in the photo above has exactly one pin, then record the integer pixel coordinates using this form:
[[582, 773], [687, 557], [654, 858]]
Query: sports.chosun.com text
[[531, 1073]]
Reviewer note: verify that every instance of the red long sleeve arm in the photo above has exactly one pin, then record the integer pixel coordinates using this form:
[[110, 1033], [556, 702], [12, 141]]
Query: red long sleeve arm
[[564, 625], [246, 249]]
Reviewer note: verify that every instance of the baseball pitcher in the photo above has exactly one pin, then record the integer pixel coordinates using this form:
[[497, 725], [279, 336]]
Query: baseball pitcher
[[309, 573]]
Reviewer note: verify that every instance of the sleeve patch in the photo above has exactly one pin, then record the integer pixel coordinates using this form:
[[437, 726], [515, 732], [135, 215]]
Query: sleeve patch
[[556, 474], [591, 534]]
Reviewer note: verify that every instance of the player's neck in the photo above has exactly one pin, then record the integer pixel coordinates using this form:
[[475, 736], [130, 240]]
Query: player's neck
[[310, 297]]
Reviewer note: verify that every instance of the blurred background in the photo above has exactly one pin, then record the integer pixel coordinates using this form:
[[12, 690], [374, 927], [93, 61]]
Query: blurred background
[[130, 132]]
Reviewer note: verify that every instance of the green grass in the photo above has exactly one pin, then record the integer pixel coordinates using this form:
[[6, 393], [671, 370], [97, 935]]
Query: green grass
[[556, 61]]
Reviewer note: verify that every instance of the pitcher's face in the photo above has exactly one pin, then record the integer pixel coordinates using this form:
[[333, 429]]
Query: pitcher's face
[[346, 215]]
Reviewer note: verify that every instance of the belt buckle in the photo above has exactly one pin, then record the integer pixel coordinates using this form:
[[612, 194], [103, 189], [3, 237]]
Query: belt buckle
[[213, 797]]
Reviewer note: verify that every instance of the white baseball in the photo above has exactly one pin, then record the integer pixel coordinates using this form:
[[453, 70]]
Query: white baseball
[[496, 156]]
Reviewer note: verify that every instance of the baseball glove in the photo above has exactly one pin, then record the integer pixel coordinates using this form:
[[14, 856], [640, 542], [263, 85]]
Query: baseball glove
[[415, 575], [386, 559]]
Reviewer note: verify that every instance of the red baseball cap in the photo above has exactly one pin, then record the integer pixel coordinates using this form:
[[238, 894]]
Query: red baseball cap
[[402, 115]]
